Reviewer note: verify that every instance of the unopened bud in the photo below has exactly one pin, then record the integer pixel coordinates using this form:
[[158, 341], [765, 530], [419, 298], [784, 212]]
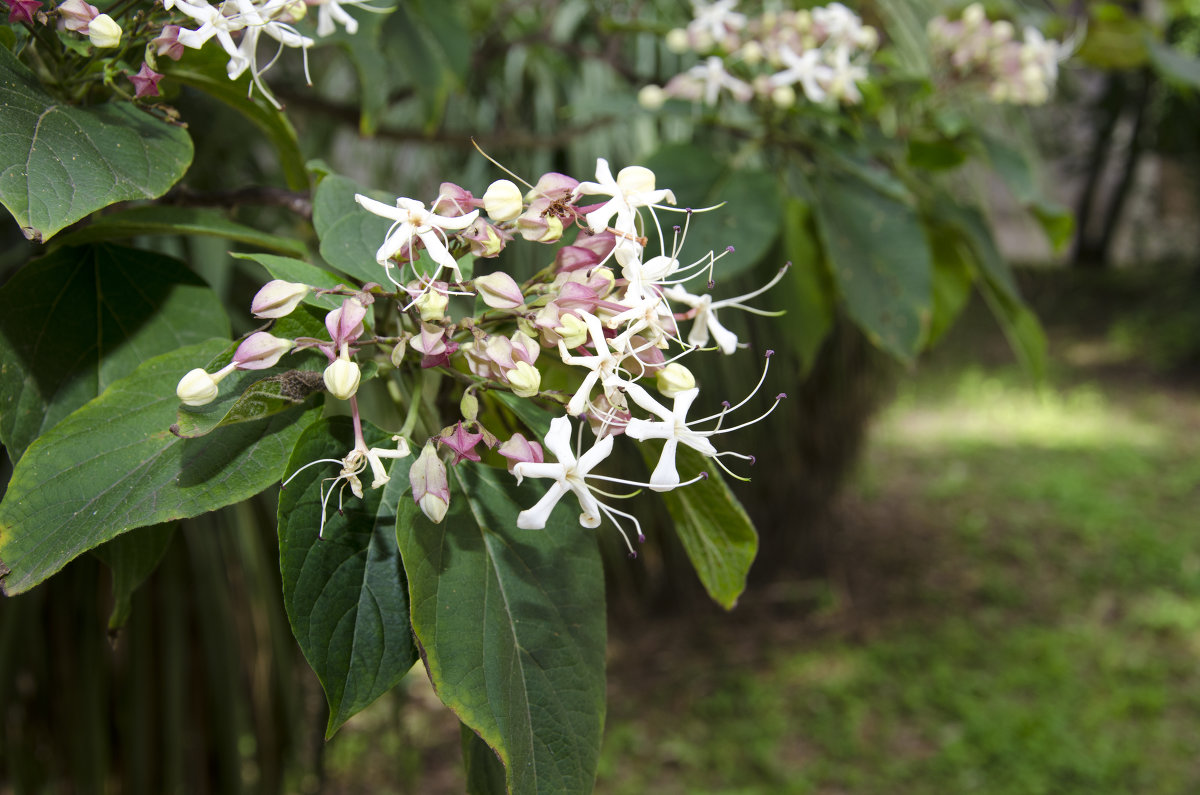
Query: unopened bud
[[278, 298], [341, 378], [677, 41], [673, 379], [103, 32], [539, 229], [573, 331], [635, 179], [432, 305], [197, 388], [502, 201], [499, 291], [469, 405], [430, 486], [783, 96], [260, 350], [652, 97], [973, 16], [398, 352], [525, 379]]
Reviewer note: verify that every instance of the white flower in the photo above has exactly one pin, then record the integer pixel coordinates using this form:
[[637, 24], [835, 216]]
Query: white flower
[[604, 365], [568, 474], [704, 312], [806, 69], [634, 187], [413, 220]]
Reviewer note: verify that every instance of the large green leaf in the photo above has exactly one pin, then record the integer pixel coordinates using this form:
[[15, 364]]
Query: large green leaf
[[204, 70], [484, 770], [112, 466], [749, 221], [511, 626], [1173, 65], [73, 322], [164, 220], [350, 235], [345, 593], [58, 163], [712, 525], [880, 261]]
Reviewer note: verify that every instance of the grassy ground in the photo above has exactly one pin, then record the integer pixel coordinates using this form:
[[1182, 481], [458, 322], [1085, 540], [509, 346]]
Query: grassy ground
[[1015, 609]]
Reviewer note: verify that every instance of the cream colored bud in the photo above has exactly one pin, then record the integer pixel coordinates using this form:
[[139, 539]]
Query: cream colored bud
[[432, 305], [469, 405], [525, 380], [677, 41], [784, 96], [341, 378], [502, 201], [635, 179], [398, 352], [1002, 31], [673, 379], [973, 16], [103, 32], [868, 38], [652, 97], [752, 53], [278, 298], [574, 332], [554, 230], [197, 388], [434, 507]]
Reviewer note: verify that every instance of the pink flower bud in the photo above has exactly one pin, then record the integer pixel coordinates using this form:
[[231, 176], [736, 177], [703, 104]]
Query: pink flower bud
[[454, 201], [430, 486], [461, 442], [484, 239], [145, 82], [499, 291], [277, 298], [519, 450], [345, 324], [76, 14], [260, 350], [168, 43], [23, 10], [538, 227], [553, 185]]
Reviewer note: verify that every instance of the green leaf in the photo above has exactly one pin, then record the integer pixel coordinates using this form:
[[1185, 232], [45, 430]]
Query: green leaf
[[511, 626], [1013, 166], [59, 163], [1021, 327], [75, 321], [880, 261], [132, 558], [952, 279], [159, 220], [807, 291], [345, 593], [716, 532], [205, 70], [749, 220], [1056, 221], [112, 466], [536, 418], [974, 227], [294, 270], [350, 235]]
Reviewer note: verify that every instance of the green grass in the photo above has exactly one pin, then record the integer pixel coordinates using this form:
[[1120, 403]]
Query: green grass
[[1042, 636]]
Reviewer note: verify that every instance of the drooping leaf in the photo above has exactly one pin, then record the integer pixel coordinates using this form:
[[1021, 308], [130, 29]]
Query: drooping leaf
[[1021, 327], [880, 261], [113, 465], [511, 626], [132, 558], [76, 320], [205, 70], [349, 235], [160, 220], [345, 593], [1173, 65], [749, 221], [716, 533], [294, 270], [59, 163], [953, 276], [806, 291]]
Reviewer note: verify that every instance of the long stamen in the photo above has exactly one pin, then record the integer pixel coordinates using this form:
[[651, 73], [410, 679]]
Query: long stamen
[[735, 301], [778, 399], [753, 392], [306, 466]]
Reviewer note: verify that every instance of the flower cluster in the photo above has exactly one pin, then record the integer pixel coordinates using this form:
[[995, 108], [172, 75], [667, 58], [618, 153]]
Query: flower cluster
[[608, 321], [820, 54], [988, 54]]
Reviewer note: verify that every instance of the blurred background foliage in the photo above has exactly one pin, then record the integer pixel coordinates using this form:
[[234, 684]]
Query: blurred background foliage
[[1006, 599]]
